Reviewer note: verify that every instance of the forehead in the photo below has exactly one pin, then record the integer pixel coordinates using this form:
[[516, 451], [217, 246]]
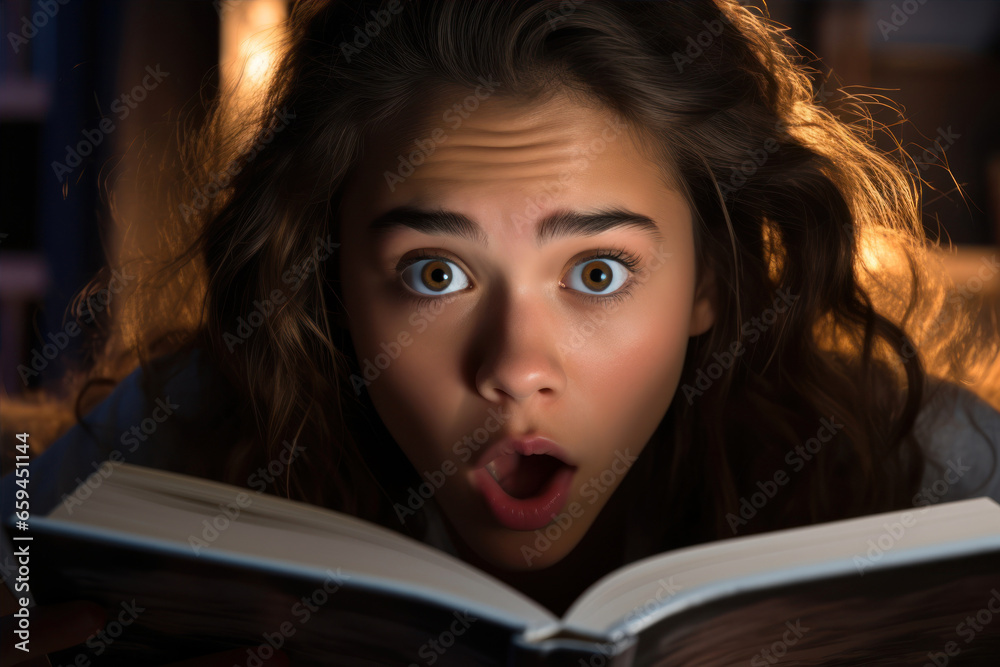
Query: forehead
[[499, 160]]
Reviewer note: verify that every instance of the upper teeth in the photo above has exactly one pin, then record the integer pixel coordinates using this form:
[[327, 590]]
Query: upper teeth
[[491, 468]]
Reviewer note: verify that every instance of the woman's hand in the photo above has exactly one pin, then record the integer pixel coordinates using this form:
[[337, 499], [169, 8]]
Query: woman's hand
[[61, 626]]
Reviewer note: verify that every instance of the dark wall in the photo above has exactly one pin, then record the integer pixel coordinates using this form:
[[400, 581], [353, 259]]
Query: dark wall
[[62, 121]]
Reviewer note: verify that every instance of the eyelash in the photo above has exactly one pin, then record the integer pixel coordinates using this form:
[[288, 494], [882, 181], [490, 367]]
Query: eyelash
[[626, 258]]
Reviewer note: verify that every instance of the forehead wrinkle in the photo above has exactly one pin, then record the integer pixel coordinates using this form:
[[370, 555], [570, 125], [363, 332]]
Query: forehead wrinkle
[[471, 169], [501, 161], [556, 144], [511, 144], [499, 150], [497, 169], [520, 182]]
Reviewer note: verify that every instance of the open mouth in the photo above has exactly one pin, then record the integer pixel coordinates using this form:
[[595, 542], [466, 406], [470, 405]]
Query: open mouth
[[522, 476], [526, 483]]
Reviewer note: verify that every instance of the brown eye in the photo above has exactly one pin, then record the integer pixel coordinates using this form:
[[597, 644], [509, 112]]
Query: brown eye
[[598, 276], [434, 276]]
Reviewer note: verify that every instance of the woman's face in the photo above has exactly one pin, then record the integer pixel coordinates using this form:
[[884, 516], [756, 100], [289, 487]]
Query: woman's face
[[527, 274]]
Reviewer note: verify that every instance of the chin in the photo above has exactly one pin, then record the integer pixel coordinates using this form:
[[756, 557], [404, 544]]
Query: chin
[[524, 551]]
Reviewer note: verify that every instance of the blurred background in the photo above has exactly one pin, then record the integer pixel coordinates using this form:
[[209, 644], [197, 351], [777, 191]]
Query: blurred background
[[91, 93]]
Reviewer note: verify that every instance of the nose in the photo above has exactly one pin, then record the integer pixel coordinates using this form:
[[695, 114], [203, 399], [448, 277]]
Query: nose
[[518, 355]]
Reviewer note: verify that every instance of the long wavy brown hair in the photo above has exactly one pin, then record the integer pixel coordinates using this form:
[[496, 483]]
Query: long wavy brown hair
[[790, 201]]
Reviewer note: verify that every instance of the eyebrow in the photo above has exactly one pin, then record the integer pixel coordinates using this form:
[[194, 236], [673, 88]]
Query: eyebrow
[[558, 224]]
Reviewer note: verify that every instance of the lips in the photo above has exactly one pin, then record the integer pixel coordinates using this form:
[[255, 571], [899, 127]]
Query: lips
[[528, 446], [524, 481]]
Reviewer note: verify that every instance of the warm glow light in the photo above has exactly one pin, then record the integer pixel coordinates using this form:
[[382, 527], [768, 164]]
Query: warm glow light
[[880, 252], [249, 41]]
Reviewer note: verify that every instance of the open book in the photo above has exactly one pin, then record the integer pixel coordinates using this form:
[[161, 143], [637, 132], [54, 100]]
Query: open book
[[186, 566]]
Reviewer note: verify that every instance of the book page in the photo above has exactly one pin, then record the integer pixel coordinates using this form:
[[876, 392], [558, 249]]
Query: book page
[[177, 511], [911, 615], [633, 598]]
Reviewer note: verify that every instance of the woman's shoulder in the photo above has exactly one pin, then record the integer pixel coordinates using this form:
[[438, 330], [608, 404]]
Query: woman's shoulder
[[960, 436], [142, 421], [151, 400]]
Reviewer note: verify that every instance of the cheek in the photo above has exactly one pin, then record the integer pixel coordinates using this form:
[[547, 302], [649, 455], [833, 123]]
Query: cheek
[[630, 383], [653, 350], [629, 374], [406, 362]]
